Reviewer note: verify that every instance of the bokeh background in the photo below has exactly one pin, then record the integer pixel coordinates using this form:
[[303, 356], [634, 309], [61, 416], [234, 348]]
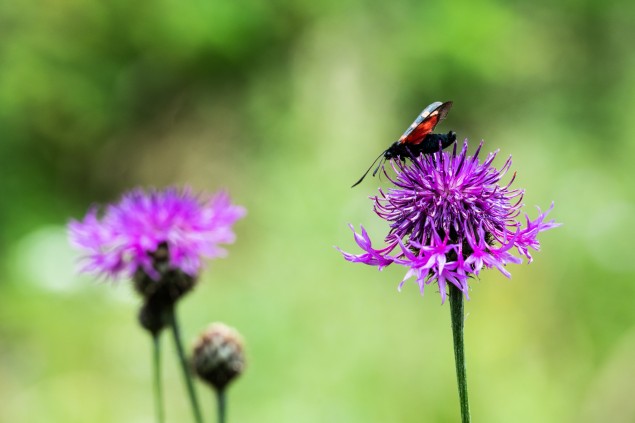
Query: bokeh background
[[285, 104]]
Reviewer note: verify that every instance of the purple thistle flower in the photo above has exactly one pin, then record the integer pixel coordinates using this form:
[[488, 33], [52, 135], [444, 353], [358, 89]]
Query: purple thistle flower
[[131, 234], [450, 218]]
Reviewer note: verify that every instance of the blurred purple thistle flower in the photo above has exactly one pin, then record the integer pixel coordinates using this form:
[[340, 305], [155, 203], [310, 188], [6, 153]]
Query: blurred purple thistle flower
[[130, 234], [449, 218]]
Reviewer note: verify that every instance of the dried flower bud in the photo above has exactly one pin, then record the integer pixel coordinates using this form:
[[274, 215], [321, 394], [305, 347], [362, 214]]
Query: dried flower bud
[[219, 355]]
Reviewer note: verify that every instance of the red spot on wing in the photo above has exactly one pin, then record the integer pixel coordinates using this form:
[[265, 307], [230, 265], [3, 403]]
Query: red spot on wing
[[424, 128]]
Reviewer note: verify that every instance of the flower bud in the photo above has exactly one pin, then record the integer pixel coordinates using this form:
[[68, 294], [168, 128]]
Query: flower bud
[[219, 355], [152, 317]]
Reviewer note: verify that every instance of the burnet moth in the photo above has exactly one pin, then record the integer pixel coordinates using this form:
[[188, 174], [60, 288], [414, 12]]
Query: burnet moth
[[418, 138]]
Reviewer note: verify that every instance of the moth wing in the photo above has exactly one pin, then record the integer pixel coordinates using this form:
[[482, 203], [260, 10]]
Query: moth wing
[[425, 122], [421, 130]]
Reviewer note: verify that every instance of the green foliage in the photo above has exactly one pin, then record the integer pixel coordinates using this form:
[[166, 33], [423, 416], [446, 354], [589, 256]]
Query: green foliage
[[286, 103]]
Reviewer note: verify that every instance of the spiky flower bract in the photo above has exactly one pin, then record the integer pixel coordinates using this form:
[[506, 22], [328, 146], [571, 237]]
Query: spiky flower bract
[[219, 356], [450, 217], [171, 226]]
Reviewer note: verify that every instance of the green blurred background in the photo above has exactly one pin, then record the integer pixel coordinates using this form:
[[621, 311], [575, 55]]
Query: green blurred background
[[285, 104]]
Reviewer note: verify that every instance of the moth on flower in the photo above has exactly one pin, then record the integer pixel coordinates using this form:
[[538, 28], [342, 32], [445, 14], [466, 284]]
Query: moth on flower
[[450, 217]]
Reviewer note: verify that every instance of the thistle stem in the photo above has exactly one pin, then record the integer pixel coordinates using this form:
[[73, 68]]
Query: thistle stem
[[221, 405], [457, 316], [158, 385], [171, 315]]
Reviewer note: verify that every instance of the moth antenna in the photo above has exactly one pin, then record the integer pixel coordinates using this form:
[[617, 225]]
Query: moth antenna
[[378, 166], [369, 168]]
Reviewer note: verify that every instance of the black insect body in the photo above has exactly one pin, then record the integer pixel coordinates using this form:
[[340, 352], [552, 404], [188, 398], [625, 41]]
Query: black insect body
[[429, 145]]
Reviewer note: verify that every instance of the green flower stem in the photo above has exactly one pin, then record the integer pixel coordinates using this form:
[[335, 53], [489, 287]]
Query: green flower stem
[[171, 316], [456, 312], [158, 385], [222, 405]]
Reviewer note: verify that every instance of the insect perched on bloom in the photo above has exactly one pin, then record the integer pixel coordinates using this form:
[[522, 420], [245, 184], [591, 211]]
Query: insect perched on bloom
[[450, 216], [418, 138]]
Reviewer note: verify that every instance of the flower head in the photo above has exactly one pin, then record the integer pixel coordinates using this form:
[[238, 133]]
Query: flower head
[[155, 231], [449, 218], [219, 355]]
